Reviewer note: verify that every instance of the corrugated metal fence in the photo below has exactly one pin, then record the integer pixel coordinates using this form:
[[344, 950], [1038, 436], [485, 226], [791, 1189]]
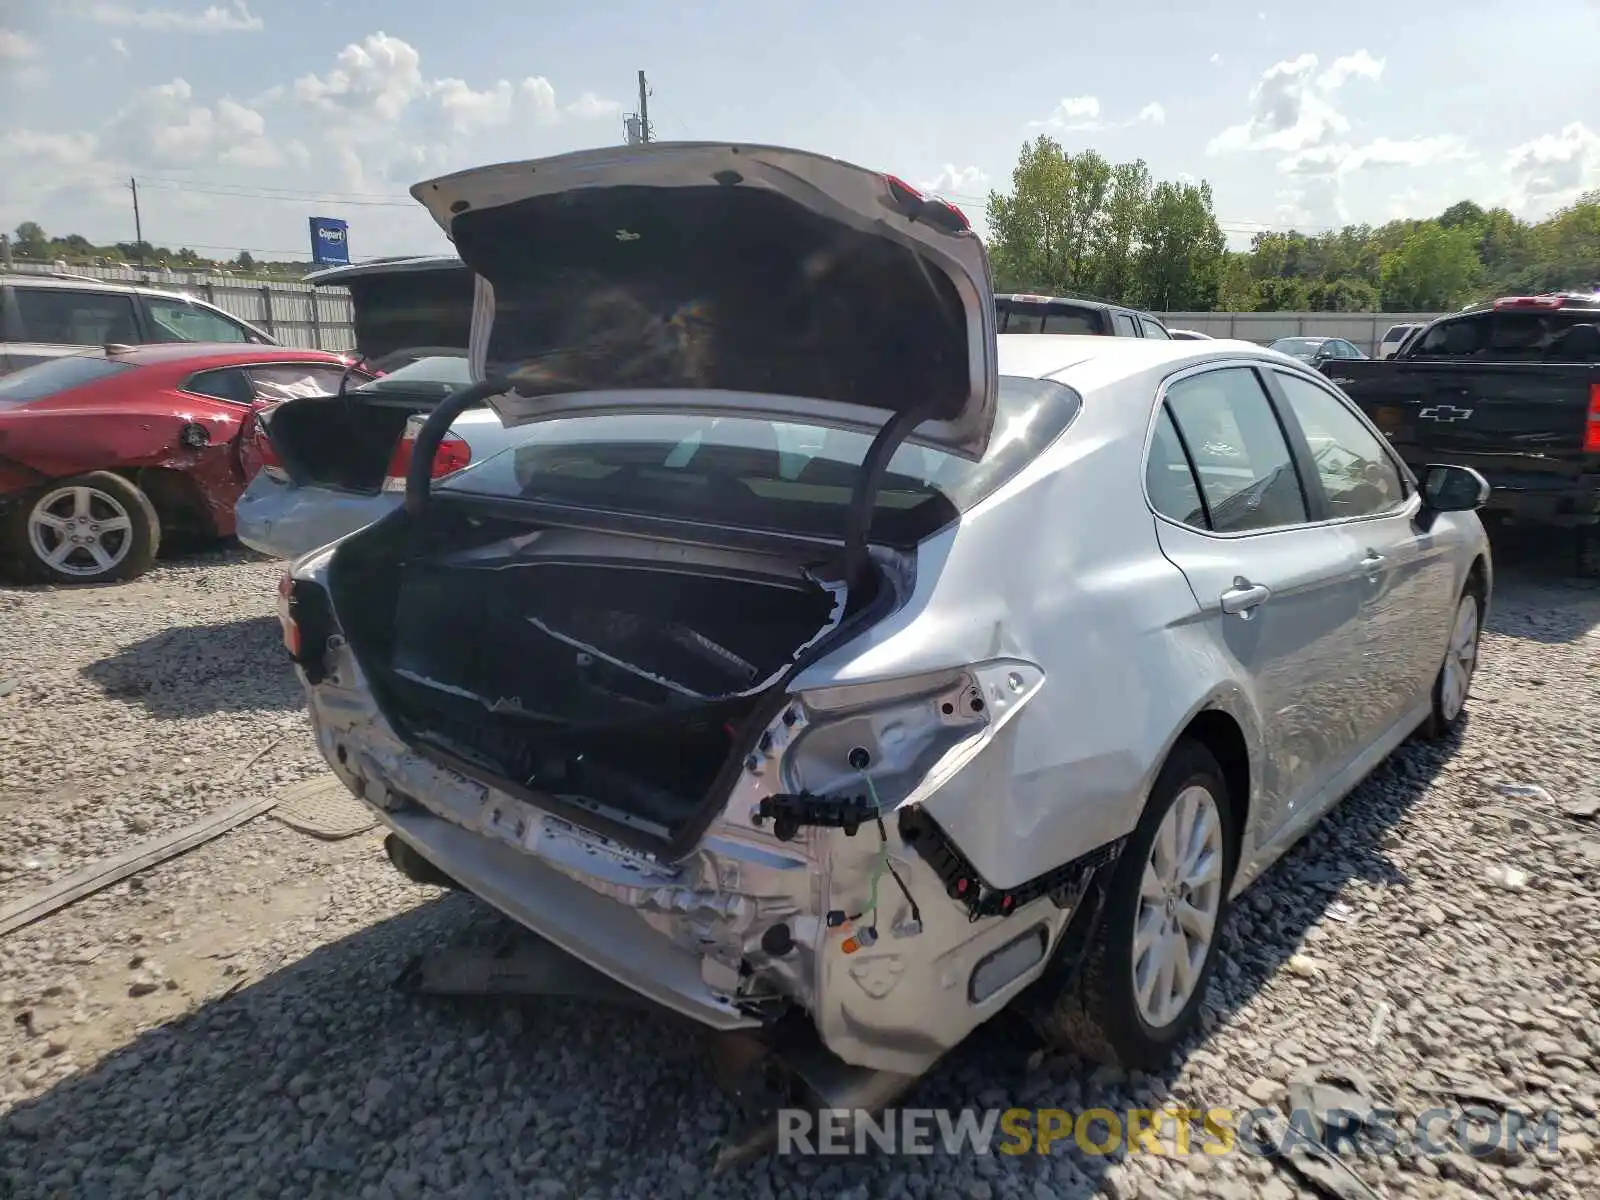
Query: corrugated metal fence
[[298, 315]]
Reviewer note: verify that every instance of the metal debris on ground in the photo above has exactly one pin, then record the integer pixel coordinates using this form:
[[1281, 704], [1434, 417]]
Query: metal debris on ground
[[324, 808]]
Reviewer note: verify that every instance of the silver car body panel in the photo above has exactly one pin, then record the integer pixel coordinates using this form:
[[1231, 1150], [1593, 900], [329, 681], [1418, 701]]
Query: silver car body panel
[[1093, 628]]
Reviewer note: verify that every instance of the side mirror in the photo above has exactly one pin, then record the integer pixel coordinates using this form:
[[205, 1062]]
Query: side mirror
[[1449, 488]]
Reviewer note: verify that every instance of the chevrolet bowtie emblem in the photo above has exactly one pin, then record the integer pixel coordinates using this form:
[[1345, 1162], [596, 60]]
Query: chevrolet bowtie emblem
[[1444, 412]]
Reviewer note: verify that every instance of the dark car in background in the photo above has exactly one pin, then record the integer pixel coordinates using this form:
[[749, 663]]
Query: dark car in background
[[1511, 388], [1017, 312]]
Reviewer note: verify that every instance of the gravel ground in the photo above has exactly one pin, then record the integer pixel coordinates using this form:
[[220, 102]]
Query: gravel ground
[[226, 1025]]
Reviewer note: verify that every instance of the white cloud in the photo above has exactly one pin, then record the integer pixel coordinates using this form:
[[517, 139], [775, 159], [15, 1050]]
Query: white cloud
[[1217, 57], [589, 107], [375, 79], [17, 47], [1292, 107], [236, 18], [119, 47], [1153, 113], [468, 110], [1074, 112], [164, 128], [1554, 169], [55, 149], [956, 181], [1349, 67]]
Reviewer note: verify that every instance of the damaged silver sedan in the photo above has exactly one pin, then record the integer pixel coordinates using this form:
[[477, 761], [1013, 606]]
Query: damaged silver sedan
[[823, 662]]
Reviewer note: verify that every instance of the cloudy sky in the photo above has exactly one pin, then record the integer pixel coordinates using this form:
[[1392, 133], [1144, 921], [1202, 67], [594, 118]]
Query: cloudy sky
[[242, 119]]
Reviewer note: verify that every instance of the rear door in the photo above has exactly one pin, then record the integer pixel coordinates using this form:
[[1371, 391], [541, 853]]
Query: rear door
[[1279, 593], [1406, 576]]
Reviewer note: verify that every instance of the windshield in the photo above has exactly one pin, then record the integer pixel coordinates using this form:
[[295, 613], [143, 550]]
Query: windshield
[[442, 373], [57, 375], [1297, 346], [785, 477], [1566, 336]]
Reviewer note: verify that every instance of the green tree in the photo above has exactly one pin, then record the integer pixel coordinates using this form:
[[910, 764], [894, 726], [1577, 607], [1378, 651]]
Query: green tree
[[1181, 249], [1043, 235], [31, 241], [246, 261], [1433, 269]]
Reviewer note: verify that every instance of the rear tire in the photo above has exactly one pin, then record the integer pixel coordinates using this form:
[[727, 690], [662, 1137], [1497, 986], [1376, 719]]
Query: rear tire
[[1125, 1007], [90, 528], [1453, 685]]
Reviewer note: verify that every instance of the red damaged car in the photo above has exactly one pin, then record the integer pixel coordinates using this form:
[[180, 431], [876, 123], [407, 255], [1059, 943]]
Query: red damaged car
[[101, 454]]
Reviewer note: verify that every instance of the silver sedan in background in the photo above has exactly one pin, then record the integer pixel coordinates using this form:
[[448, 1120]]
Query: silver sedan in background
[[1005, 695]]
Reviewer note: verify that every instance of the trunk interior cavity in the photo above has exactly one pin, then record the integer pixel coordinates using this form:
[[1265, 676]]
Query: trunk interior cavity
[[608, 672], [342, 442]]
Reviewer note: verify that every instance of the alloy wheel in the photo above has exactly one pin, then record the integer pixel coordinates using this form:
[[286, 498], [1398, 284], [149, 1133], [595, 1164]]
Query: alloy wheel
[[1180, 897], [1460, 660], [80, 531]]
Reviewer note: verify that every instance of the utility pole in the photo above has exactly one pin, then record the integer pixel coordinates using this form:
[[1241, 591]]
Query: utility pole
[[138, 228], [644, 110]]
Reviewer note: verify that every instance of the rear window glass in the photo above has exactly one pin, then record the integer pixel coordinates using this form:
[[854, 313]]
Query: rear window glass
[[788, 478], [1012, 316], [1396, 332], [436, 373], [57, 375], [1570, 336]]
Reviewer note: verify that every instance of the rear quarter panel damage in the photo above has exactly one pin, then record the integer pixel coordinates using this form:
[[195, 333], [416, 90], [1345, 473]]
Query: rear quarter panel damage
[[56, 443]]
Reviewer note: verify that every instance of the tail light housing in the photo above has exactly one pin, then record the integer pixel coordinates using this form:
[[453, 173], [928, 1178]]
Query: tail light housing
[[286, 617], [453, 453], [1591, 428], [260, 446]]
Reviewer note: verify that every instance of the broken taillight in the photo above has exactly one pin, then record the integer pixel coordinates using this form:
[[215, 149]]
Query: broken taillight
[[261, 447], [291, 627], [453, 454]]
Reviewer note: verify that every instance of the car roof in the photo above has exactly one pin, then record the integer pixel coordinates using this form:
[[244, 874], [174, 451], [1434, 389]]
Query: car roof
[[385, 266], [219, 353], [1087, 360], [83, 283], [1076, 301]]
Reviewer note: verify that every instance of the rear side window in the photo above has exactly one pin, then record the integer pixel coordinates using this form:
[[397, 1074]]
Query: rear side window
[[1565, 336], [289, 381], [57, 375], [1169, 479], [1396, 332], [1125, 326], [1153, 330], [228, 383], [181, 321], [1241, 458], [63, 317]]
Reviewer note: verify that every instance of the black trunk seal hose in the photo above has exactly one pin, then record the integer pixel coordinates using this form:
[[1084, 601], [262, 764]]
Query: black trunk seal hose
[[419, 475]]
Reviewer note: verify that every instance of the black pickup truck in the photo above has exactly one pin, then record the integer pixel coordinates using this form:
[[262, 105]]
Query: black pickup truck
[[1511, 388]]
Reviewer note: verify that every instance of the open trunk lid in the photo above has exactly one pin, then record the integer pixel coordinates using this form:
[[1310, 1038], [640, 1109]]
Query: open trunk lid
[[406, 307], [719, 278]]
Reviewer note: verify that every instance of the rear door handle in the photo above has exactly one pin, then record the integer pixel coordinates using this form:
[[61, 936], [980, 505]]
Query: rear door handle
[[1244, 597], [1372, 562]]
